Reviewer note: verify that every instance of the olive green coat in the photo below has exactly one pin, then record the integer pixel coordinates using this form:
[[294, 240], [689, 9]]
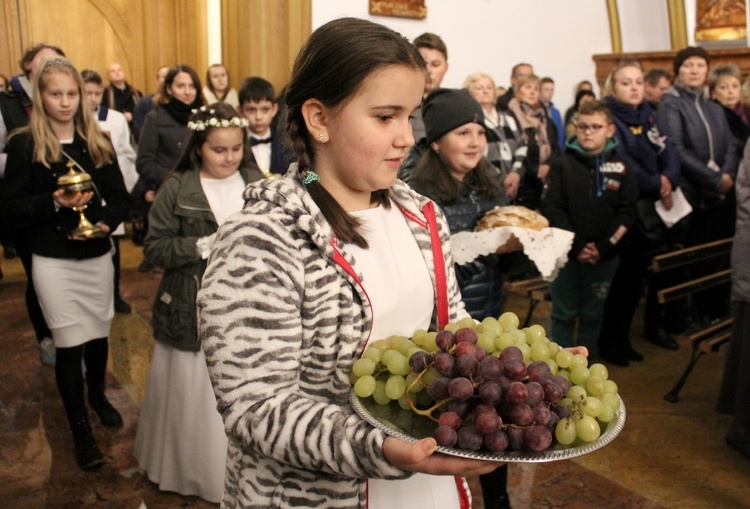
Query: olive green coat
[[180, 216]]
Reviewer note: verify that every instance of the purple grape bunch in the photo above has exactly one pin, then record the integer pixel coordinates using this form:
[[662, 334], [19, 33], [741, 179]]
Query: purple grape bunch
[[493, 403], [491, 387]]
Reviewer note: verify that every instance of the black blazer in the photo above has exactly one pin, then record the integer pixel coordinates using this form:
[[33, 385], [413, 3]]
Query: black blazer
[[282, 154]]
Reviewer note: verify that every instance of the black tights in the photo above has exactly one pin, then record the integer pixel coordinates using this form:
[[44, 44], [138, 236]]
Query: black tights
[[495, 487], [21, 242], [69, 375]]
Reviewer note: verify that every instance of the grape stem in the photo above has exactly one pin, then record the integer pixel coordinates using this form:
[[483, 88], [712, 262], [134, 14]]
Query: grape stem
[[427, 412]]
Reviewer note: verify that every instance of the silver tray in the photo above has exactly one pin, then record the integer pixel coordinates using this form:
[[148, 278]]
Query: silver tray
[[410, 427]]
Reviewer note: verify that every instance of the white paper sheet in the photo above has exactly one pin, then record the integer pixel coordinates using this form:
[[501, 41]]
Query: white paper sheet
[[680, 208]]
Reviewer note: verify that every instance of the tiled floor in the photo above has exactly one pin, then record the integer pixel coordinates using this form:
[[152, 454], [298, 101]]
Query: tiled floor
[[669, 455]]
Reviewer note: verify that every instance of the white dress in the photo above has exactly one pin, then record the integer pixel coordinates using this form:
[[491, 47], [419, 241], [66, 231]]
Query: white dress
[[394, 274], [178, 451], [181, 442]]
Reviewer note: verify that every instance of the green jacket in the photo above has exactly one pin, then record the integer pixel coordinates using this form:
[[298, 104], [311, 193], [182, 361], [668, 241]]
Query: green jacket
[[180, 216]]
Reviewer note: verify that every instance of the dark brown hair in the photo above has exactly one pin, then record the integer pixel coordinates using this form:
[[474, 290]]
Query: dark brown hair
[[31, 52], [432, 41], [91, 76], [331, 67], [433, 178], [256, 89], [189, 159], [594, 107], [653, 76], [162, 96]]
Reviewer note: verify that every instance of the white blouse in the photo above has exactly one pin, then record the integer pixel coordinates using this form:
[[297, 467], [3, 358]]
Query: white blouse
[[224, 195]]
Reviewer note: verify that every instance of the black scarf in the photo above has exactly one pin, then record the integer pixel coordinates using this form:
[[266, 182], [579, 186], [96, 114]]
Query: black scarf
[[180, 111], [634, 126]]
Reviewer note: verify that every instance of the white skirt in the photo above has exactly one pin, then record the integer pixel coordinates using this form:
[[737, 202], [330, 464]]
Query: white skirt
[[180, 441], [76, 297]]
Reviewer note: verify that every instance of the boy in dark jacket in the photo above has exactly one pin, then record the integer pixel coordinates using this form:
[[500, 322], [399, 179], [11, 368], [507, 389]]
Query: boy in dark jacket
[[269, 150], [593, 194]]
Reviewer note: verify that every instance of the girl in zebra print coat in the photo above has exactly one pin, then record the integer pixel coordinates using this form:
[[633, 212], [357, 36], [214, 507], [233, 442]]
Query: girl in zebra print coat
[[335, 253]]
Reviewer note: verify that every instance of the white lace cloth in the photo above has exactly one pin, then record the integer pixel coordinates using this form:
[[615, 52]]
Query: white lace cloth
[[547, 248]]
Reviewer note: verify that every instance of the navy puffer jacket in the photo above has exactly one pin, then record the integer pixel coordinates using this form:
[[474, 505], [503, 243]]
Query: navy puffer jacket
[[480, 281]]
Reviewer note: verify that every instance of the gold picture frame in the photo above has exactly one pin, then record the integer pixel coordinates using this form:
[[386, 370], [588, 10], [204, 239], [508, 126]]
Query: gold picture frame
[[399, 8]]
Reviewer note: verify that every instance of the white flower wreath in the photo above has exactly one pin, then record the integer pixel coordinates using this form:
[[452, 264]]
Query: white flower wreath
[[202, 125]]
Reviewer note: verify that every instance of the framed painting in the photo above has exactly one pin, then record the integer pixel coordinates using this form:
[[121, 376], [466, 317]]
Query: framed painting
[[399, 8]]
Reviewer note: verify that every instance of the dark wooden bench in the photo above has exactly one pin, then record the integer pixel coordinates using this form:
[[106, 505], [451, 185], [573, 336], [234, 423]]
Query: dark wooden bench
[[536, 289], [710, 337]]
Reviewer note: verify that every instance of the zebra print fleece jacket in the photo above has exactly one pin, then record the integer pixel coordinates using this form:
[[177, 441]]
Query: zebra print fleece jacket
[[282, 320]]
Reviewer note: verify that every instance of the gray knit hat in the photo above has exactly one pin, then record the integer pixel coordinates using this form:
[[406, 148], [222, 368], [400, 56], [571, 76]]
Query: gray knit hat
[[444, 109]]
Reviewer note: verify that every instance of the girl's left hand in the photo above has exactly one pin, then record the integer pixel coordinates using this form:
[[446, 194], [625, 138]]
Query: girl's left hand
[[103, 227], [72, 200], [421, 457]]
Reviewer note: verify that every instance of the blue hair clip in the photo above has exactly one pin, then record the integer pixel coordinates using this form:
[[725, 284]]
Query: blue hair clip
[[310, 177]]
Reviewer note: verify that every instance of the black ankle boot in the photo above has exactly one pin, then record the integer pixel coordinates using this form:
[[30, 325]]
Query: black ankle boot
[[659, 337], [633, 355], [501, 502], [108, 415], [88, 455]]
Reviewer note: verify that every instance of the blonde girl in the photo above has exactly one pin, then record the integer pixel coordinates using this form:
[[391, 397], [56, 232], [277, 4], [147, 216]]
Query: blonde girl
[[72, 274]]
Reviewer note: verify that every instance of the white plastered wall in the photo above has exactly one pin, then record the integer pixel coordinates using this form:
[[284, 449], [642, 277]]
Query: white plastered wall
[[557, 37]]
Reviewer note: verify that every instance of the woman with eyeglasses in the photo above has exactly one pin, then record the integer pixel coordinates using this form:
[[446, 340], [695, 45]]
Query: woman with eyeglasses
[[651, 157]]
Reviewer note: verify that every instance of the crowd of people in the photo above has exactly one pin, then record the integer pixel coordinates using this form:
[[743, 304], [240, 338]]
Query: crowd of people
[[283, 222]]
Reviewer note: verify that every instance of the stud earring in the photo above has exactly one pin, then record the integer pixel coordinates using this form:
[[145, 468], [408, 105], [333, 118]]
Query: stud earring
[[321, 137]]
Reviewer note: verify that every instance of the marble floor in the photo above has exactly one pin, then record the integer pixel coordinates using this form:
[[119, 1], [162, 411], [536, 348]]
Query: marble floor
[[668, 456]]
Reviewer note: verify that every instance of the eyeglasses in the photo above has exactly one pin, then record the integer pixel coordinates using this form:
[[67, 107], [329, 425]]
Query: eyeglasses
[[584, 128]]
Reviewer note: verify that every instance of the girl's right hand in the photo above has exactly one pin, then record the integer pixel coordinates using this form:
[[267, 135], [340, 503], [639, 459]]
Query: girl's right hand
[[543, 171], [421, 457], [72, 200]]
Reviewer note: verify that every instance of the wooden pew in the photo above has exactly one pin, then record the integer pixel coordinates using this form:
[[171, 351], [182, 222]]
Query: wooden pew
[[535, 289], [710, 337]]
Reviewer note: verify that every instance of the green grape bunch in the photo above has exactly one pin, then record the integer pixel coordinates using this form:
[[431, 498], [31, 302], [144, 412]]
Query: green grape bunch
[[491, 386]]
